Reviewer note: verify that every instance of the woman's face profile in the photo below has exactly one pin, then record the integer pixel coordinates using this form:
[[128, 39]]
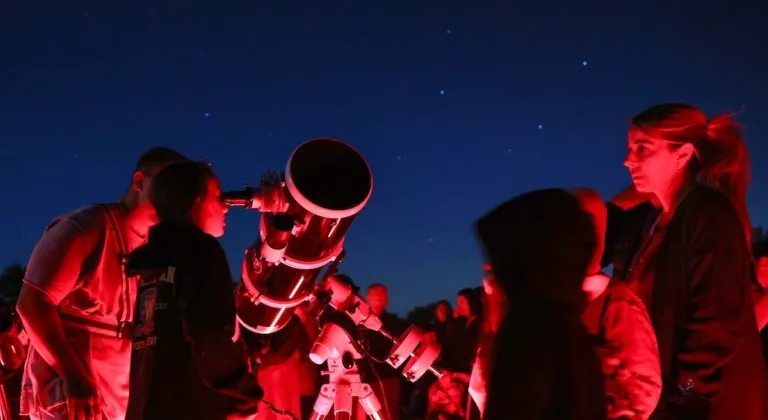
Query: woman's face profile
[[652, 163], [212, 211]]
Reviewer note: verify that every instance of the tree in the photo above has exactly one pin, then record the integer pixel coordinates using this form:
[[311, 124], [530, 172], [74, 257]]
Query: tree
[[10, 283]]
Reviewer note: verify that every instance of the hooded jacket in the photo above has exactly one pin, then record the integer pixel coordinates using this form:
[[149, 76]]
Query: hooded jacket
[[544, 364], [184, 363]]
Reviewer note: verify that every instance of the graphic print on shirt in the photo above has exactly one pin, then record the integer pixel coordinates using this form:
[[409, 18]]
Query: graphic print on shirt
[[145, 312], [148, 304]]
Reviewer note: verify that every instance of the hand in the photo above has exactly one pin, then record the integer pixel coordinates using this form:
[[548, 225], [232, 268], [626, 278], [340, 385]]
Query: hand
[[82, 399]]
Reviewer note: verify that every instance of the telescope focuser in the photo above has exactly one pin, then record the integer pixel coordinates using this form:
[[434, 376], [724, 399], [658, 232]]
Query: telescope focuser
[[268, 197]]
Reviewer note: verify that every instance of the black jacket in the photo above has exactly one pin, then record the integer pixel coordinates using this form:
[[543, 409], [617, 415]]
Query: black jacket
[[184, 364], [701, 308]]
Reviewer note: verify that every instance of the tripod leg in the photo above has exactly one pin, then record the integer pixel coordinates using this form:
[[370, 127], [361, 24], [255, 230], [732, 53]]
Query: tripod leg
[[371, 404], [324, 402], [342, 405]]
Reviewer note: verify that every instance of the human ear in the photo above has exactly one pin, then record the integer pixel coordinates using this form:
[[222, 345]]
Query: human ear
[[684, 155], [138, 181]]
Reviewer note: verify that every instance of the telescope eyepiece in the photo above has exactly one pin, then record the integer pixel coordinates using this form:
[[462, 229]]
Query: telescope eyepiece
[[238, 198]]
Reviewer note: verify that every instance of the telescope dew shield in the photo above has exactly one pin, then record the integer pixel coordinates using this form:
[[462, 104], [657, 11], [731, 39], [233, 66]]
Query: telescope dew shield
[[326, 184]]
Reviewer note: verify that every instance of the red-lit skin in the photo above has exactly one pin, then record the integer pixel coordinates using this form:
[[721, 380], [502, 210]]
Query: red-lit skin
[[595, 281], [442, 312], [495, 301], [658, 170], [762, 271], [761, 308], [462, 307], [210, 213], [378, 299], [40, 315], [494, 310]]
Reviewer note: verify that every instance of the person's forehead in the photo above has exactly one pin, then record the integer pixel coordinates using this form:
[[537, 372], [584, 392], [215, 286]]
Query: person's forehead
[[639, 137], [378, 290]]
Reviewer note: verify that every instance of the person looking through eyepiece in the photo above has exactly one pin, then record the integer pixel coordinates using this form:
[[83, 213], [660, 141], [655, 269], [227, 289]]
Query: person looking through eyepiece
[[185, 364]]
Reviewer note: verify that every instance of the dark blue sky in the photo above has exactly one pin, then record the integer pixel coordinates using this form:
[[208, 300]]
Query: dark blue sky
[[456, 104]]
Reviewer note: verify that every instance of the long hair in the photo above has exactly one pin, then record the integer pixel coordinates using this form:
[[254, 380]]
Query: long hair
[[722, 160]]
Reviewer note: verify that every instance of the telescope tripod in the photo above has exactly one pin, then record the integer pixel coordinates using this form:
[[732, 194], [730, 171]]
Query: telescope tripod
[[343, 386]]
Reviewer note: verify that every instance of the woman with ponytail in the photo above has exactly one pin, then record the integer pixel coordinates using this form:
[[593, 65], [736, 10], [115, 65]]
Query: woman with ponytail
[[682, 238]]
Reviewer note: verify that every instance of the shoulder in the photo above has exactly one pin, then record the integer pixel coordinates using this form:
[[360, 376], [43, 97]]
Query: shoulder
[[620, 293], [88, 218], [208, 251], [706, 208], [87, 222], [623, 306], [708, 203], [210, 244]]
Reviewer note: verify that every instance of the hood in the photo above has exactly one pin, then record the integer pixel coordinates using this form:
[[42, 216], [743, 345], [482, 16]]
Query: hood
[[540, 245], [168, 244]]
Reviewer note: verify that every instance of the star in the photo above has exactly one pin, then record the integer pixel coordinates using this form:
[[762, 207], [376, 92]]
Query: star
[[399, 158], [584, 63], [207, 114], [442, 92], [76, 155], [431, 240], [540, 127], [509, 150], [448, 32]]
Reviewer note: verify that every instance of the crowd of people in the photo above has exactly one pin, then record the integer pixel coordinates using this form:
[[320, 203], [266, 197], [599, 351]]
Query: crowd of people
[[129, 311]]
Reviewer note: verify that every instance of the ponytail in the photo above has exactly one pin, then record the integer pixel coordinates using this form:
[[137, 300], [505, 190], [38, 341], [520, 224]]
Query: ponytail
[[725, 164]]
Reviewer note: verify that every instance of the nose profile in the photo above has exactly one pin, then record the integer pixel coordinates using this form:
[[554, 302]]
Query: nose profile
[[629, 161]]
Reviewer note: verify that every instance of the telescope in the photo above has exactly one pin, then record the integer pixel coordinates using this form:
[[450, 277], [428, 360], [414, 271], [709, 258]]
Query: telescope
[[306, 212]]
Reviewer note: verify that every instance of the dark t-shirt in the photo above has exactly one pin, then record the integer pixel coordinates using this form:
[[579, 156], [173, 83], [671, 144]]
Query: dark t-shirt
[[184, 363]]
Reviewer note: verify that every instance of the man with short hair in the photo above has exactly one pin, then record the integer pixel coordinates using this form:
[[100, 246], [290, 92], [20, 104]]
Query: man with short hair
[[77, 304]]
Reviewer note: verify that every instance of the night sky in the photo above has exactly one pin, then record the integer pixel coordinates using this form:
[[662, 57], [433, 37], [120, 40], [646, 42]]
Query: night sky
[[457, 105]]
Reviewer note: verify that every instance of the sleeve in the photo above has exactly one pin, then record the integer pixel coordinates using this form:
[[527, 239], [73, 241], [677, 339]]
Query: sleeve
[[718, 294], [208, 313], [629, 332], [57, 259], [477, 385]]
